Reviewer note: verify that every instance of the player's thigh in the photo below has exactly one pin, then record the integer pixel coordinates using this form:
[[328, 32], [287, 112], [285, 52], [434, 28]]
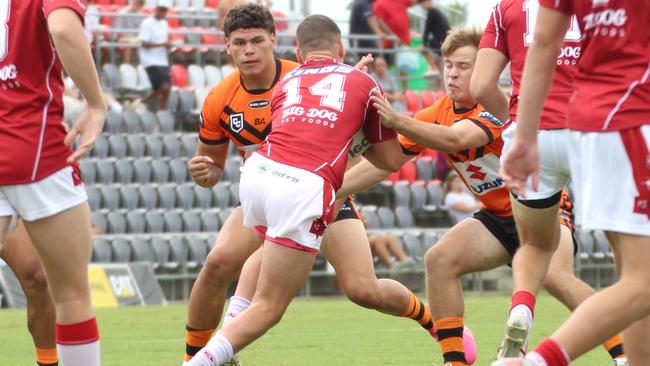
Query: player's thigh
[[537, 224], [562, 259], [346, 246], [608, 171], [64, 244], [634, 253], [467, 247], [7, 213], [282, 274], [235, 242]]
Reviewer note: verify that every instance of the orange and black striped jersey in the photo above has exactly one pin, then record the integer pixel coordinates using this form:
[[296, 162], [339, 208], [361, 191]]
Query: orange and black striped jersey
[[232, 113], [477, 167]]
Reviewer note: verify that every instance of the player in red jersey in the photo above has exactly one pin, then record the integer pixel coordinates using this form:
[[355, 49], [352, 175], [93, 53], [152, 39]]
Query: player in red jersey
[[39, 178], [508, 35], [608, 118], [317, 109]]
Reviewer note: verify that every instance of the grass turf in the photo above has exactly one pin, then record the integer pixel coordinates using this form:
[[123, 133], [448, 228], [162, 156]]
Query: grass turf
[[315, 332]]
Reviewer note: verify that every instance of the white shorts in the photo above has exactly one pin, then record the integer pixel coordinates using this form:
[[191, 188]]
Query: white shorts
[[47, 197], [610, 173], [289, 205], [554, 162]]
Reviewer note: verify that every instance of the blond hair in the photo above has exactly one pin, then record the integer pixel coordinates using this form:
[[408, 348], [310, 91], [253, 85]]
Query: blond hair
[[461, 37]]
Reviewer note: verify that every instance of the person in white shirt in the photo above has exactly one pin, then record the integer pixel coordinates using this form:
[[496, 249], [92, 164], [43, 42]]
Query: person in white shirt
[[458, 202], [154, 43]]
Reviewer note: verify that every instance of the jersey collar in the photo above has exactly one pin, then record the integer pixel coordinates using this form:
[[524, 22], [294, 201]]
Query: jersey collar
[[278, 72]]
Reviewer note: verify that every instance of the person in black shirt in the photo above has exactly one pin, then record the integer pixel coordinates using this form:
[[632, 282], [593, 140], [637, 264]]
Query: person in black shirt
[[363, 21], [435, 31]]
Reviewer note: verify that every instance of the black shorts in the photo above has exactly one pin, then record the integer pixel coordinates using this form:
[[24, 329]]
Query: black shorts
[[505, 230], [348, 210], [158, 76]]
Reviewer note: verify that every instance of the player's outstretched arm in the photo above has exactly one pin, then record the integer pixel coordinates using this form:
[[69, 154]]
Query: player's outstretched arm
[[462, 135], [522, 159], [68, 37], [365, 175], [206, 167], [484, 85]]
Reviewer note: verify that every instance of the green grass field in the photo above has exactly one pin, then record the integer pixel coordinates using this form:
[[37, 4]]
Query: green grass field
[[314, 332]]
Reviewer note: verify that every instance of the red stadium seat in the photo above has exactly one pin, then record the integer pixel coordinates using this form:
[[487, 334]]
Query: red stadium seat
[[120, 3], [179, 75], [408, 172], [430, 153], [212, 4], [412, 101], [427, 98], [393, 177], [181, 39], [439, 94], [172, 18], [281, 23], [103, 2], [211, 40]]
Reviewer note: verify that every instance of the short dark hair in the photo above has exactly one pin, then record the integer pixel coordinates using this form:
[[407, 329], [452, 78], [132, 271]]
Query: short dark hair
[[317, 32], [248, 16]]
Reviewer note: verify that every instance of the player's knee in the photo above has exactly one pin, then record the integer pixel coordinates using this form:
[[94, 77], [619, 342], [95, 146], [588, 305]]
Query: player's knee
[[34, 281], [438, 261], [363, 295], [640, 293], [219, 267]]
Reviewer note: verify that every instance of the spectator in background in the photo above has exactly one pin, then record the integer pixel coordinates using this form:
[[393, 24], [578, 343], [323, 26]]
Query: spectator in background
[[458, 201], [154, 43], [91, 21], [394, 13], [388, 82], [128, 20], [386, 247], [436, 27], [364, 22]]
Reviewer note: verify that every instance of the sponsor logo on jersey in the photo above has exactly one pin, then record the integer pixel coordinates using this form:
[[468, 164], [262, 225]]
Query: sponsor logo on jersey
[[237, 122], [8, 72], [487, 115], [476, 171], [345, 69], [256, 104], [569, 55], [478, 189], [606, 23]]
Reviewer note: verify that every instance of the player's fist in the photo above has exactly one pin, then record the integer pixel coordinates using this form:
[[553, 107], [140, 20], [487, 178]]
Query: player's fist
[[204, 171]]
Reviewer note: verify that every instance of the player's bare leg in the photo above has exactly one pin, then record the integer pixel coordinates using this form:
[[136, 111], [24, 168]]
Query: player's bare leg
[[23, 260], [466, 248], [223, 264], [600, 316], [65, 254], [282, 274]]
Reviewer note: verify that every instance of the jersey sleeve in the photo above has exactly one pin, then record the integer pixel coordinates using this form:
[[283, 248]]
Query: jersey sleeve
[[494, 35], [210, 130], [78, 6], [374, 130], [410, 147], [565, 6], [491, 125]]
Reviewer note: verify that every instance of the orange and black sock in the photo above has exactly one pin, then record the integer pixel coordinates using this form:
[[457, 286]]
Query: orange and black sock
[[450, 337], [614, 346], [47, 357], [419, 312], [195, 339]]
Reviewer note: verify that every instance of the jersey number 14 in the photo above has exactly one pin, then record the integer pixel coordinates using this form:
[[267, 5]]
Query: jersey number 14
[[330, 89]]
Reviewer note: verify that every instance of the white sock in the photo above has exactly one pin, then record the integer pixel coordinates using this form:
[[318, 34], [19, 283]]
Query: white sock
[[536, 359], [521, 308], [216, 352], [236, 306], [79, 355]]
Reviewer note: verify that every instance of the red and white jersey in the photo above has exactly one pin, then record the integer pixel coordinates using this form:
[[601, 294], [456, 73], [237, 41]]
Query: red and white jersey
[[510, 30], [612, 86], [317, 109], [31, 89]]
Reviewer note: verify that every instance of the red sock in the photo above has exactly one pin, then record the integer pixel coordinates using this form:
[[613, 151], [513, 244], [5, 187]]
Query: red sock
[[552, 353], [523, 298], [79, 333]]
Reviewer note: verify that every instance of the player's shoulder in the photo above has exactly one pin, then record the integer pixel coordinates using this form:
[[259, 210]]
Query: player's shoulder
[[287, 66], [439, 107], [217, 96]]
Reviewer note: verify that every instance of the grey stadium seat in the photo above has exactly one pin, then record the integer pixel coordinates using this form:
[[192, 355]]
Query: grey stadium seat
[[116, 223], [173, 222], [222, 195], [162, 251], [425, 169], [435, 194], [130, 197], [143, 170], [402, 194], [143, 252], [88, 171], [370, 213], [94, 197], [100, 220], [202, 196], [110, 197], [122, 251], [135, 222], [100, 148], [166, 121], [413, 246], [179, 252], [148, 197], [231, 170], [179, 170], [198, 250], [171, 146], [386, 217], [430, 239], [118, 146], [132, 122], [149, 121], [124, 171], [191, 221], [105, 171], [160, 170], [189, 142], [185, 196], [110, 76], [155, 222], [102, 252], [154, 146], [224, 214], [210, 220], [136, 145], [234, 192], [418, 196], [113, 123], [167, 196], [404, 217]]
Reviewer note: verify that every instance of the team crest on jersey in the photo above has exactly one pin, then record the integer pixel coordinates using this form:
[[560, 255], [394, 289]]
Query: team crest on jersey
[[487, 115], [237, 122]]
